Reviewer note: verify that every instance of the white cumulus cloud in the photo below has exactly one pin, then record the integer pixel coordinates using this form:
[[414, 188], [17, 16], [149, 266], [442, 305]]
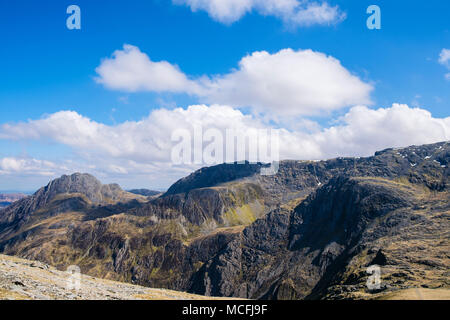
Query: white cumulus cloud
[[143, 148], [289, 82], [444, 59], [13, 165], [145, 141], [286, 83], [131, 70], [291, 12], [362, 131]]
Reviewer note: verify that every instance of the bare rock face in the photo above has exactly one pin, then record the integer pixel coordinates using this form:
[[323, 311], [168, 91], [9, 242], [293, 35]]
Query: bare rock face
[[213, 176], [323, 247], [78, 183], [308, 232], [304, 253], [86, 187]]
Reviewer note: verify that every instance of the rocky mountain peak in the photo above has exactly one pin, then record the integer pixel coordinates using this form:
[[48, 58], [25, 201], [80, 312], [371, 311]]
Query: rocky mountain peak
[[84, 187], [214, 175], [82, 183]]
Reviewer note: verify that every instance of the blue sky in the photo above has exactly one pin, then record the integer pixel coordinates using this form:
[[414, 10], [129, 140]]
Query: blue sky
[[47, 68]]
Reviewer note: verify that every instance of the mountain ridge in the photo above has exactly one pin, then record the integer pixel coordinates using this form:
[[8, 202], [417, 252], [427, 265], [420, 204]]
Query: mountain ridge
[[211, 226]]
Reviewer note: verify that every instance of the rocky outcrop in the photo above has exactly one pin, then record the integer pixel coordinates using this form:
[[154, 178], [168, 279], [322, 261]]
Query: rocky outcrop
[[314, 251], [59, 194], [213, 176], [84, 184]]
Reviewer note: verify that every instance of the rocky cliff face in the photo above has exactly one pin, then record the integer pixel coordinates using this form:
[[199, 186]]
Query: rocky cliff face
[[77, 190], [308, 232], [213, 176], [390, 216]]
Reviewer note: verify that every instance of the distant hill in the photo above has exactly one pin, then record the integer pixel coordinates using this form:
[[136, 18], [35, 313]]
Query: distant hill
[[7, 198], [308, 232], [145, 192]]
